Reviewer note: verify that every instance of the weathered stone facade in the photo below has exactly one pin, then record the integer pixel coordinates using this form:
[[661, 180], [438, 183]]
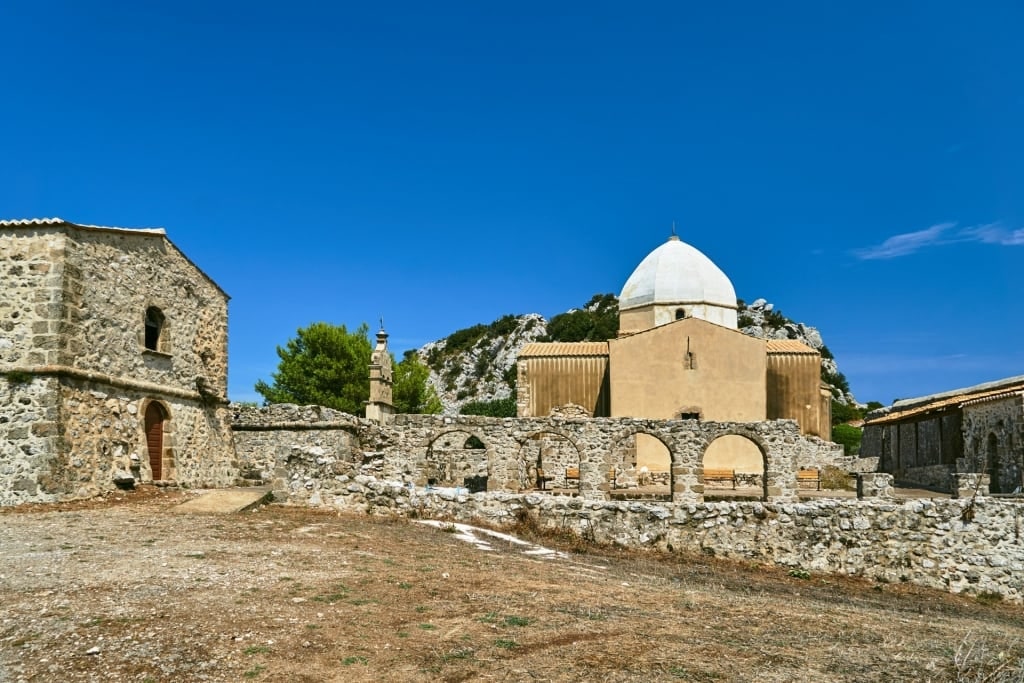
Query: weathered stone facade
[[925, 441], [100, 327]]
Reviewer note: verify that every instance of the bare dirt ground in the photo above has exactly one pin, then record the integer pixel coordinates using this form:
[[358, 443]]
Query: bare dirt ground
[[125, 589]]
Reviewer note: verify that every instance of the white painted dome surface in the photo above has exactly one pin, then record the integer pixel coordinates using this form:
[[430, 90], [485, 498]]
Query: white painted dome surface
[[677, 273]]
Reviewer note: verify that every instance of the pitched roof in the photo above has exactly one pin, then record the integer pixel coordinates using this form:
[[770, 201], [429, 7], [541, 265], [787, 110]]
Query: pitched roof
[[29, 222], [548, 349], [60, 222], [910, 407], [789, 346]]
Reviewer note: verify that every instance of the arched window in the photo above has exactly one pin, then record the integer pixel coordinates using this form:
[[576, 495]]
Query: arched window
[[155, 333], [680, 313]]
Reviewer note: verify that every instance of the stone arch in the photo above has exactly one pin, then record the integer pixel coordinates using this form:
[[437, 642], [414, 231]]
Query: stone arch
[[555, 457], [636, 447], [157, 439], [458, 456], [739, 454]]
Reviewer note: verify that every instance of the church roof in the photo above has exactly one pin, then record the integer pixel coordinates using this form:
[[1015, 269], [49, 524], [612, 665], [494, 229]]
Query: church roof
[[541, 349], [60, 222], [791, 346], [676, 273]]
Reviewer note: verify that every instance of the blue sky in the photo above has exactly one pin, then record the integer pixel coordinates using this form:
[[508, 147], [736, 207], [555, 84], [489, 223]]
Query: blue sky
[[445, 163]]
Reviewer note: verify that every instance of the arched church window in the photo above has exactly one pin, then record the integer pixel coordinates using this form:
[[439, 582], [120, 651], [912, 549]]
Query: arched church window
[[156, 333], [680, 313]]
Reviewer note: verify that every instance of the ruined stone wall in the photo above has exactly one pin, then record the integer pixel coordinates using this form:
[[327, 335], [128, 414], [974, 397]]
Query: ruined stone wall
[[927, 542], [415, 449], [111, 278], [28, 439]]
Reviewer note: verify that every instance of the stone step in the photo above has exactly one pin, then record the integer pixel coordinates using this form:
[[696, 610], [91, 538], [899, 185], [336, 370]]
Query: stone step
[[227, 501]]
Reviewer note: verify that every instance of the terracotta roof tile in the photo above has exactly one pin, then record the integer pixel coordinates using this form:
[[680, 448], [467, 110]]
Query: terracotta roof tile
[[541, 349], [788, 346]]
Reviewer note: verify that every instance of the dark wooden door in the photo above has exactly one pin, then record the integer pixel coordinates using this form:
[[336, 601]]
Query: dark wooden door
[[155, 439]]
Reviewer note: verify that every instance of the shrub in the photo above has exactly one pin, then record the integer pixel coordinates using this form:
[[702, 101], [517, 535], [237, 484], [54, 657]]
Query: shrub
[[849, 436], [501, 407]]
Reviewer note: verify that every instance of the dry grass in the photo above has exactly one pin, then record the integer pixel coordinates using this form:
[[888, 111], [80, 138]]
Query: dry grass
[[289, 594]]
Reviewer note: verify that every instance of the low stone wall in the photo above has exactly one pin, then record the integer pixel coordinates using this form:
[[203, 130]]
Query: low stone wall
[[935, 477], [927, 542]]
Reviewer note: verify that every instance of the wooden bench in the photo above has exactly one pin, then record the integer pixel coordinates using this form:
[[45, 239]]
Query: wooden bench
[[809, 477], [572, 474], [720, 475], [542, 479]]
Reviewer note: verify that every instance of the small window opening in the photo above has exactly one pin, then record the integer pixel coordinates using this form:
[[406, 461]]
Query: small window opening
[[154, 327], [689, 416], [680, 313]]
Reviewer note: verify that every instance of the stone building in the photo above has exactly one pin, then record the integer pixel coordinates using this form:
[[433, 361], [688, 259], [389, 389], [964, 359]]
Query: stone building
[[926, 440], [113, 363], [679, 355]]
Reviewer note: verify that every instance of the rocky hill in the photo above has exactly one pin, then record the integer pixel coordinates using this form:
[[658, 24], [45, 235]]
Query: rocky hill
[[477, 364]]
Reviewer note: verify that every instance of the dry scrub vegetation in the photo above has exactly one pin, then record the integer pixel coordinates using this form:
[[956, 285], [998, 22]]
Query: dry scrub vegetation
[[125, 589]]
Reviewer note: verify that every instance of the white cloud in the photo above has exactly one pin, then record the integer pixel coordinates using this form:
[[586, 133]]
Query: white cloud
[[994, 233], [906, 243], [910, 242]]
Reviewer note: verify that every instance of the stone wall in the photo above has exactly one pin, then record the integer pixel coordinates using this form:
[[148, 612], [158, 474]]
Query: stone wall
[[111, 279], [993, 433], [287, 444], [420, 449], [103, 434], [32, 268], [28, 438], [927, 542]]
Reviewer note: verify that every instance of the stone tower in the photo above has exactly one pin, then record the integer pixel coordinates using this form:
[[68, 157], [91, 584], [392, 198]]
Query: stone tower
[[380, 404]]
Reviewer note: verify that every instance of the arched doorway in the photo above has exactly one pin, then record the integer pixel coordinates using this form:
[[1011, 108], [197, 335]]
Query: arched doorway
[[156, 417], [456, 458], [548, 460], [744, 457], [640, 467]]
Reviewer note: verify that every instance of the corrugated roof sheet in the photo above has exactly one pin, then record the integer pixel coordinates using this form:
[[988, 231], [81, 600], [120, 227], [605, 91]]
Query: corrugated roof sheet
[[29, 222], [788, 346], [538, 349], [959, 397]]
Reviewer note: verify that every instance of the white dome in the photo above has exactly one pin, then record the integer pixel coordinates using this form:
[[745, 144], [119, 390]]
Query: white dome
[[676, 273]]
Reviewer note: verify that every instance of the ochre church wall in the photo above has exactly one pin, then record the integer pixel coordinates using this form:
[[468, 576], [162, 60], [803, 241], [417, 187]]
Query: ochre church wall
[[725, 381]]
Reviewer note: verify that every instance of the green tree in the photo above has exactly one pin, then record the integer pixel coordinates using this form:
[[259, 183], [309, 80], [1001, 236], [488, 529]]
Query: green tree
[[325, 365], [849, 436], [411, 391], [598, 320]]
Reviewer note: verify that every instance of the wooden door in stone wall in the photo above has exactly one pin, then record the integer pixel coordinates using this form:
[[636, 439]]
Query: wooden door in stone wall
[[155, 438]]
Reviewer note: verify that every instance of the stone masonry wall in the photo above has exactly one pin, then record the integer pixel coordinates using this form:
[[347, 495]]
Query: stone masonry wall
[[111, 279], [409, 448], [103, 428], [1003, 419], [28, 439], [32, 265], [927, 542]]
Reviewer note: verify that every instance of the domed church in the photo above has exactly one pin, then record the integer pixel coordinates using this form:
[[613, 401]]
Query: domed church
[[678, 355]]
